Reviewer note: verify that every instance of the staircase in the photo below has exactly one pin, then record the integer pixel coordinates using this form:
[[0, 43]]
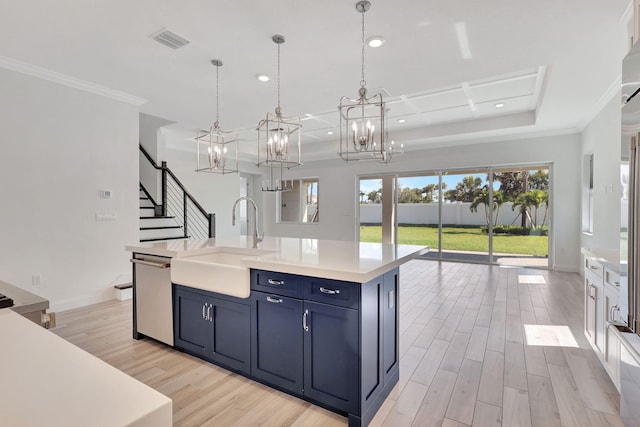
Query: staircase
[[156, 227], [176, 215]]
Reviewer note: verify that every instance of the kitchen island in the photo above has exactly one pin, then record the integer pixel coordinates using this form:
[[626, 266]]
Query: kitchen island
[[317, 319]]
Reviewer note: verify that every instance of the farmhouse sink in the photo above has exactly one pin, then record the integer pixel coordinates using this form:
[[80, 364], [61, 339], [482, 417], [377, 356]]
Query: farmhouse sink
[[223, 272]]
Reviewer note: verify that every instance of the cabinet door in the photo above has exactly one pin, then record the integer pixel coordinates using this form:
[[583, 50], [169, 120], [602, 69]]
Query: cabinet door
[[331, 348], [589, 308], [193, 331], [611, 345], [390, 326], [231, 323], [600, 318], [276, 323]]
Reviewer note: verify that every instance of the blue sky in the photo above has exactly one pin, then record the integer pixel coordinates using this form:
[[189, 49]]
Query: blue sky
[[420, 182]]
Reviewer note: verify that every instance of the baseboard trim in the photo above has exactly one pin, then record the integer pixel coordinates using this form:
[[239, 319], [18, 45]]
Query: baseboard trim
[[566, 268], [81, 301]]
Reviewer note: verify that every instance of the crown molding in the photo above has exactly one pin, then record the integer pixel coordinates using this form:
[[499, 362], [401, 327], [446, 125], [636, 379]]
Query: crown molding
[[66, 80], [605, 98]]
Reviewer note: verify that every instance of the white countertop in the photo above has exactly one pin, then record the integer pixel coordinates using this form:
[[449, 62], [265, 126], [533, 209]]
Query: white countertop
[[332, 259], [47, 381], [23, 301], [608, 257]]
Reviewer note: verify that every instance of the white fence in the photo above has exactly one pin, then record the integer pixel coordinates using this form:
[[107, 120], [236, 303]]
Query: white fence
[[457, 213]]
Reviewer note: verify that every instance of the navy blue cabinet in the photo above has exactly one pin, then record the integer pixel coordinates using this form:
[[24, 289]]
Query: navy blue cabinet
[[331, 353], [331, 342], [277, 340], [213, 327], [308, 348]]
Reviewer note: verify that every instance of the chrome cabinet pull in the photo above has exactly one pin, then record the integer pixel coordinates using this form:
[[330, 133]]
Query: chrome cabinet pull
[[612, 313], [274, 300], [304, 321], [275, 282], [329, 291], [203, 308], [593, 267], [209, 313]]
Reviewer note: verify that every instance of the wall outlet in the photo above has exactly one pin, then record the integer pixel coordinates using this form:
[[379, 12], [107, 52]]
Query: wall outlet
[[35, 280], [106, 216], [106, 194]]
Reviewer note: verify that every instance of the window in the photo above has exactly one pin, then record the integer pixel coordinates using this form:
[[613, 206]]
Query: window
[[587, 194]]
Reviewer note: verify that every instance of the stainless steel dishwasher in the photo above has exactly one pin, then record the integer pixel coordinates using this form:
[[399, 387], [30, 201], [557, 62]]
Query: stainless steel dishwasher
[[152, 298]]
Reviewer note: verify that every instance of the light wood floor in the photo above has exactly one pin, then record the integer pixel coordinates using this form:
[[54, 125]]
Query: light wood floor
[[471, 355]]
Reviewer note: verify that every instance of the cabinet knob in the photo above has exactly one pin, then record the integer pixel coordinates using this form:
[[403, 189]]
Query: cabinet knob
[[329, 291]]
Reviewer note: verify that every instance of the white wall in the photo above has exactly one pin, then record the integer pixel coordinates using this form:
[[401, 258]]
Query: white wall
[[338, 194], [602, 138], [60, 147], [149, 132]]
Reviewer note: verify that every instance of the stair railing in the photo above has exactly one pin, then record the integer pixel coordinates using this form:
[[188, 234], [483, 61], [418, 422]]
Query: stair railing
[[176, 201]]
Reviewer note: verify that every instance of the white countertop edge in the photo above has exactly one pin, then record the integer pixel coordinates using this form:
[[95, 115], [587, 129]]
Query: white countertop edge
[[329, 273], [268, 257]]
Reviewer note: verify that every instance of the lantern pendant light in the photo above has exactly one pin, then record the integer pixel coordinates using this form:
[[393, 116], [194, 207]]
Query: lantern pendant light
[[362, 120], [216, 150], [278, 141]]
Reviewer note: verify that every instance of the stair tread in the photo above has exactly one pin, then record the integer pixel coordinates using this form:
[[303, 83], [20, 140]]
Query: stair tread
[[163, 238], [161, 227]]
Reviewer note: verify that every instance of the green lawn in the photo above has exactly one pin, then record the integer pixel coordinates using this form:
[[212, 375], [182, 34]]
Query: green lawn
[[460, 239]]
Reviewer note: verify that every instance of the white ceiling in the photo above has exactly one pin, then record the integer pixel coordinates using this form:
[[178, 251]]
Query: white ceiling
[[550, 62]]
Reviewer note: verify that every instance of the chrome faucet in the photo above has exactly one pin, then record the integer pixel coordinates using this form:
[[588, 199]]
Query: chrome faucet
[[257, 238]]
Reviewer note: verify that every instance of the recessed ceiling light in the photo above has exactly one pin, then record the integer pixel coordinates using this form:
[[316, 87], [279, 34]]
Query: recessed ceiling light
[[499, 105], [330, 132], [262, 77], [375, 41], [401, 120]]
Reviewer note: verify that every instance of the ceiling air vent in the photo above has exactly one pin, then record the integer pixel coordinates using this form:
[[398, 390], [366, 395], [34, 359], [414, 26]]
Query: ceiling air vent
[[170, 39]]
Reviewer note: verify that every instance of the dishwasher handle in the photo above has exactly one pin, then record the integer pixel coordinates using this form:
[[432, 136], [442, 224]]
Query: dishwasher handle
[[151, 263]]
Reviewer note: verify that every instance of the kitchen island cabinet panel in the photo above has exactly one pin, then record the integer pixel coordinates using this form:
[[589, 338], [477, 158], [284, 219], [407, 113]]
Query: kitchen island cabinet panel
[[390, 324], [192, 328], [214, 328], [331, 355], [277, 340]]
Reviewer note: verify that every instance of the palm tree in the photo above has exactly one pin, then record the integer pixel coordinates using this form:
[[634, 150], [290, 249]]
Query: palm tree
[[531, 199], [545, 200], [482, 198]]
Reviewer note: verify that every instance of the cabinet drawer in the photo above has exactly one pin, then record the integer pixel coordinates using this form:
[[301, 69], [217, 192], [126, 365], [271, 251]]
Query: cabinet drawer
[[612, 279], [335, 292], [277, 283], [590, 264]]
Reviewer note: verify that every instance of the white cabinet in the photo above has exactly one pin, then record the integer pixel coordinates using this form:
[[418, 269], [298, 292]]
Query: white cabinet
[[601, 294], [594, 318]]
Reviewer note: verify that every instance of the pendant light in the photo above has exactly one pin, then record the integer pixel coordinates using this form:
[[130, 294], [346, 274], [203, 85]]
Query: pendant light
[[216, 150], [278, 141], [362, 120]]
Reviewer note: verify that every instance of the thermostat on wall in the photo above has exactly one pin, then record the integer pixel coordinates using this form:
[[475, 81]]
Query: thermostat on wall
[[106, 194]]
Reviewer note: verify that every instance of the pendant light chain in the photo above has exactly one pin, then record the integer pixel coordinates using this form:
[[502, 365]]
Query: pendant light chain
[[278, 75], [218, 94], [363, 81]]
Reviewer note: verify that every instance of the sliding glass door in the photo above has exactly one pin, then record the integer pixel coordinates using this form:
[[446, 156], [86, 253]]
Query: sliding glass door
[[488, 215]]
